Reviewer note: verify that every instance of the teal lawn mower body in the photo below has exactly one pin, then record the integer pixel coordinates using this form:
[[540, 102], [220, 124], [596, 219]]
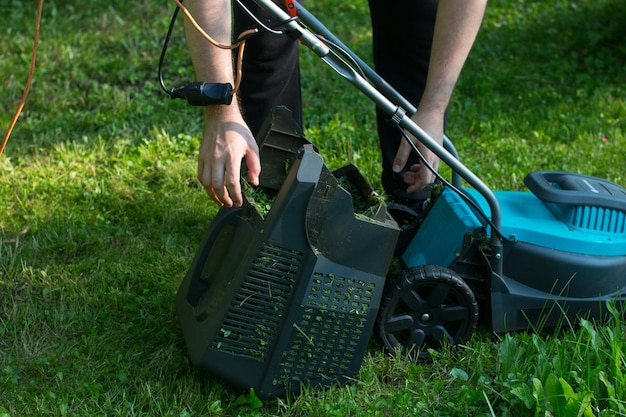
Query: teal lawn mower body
[[564, 248]]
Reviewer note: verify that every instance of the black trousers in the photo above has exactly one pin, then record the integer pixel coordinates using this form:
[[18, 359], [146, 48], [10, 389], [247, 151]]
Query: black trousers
[[271, 72], [402, 38]]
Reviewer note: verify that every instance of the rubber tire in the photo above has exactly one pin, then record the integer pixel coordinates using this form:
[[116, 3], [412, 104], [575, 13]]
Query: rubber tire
[[425, 307]]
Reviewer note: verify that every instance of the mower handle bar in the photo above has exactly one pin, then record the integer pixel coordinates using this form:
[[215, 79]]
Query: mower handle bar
[[399, 110]]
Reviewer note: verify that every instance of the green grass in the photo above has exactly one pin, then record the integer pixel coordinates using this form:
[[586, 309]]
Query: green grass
[[101, 212]]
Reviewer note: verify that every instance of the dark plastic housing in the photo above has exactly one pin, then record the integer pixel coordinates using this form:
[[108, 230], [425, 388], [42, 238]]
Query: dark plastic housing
[[271, 302]]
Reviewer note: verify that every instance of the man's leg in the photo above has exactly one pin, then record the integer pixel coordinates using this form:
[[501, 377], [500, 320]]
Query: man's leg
[[402, 39], [271, 75]]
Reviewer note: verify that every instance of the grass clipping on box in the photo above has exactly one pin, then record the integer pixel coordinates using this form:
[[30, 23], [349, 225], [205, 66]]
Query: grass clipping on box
[[260, 198], [365, 207]]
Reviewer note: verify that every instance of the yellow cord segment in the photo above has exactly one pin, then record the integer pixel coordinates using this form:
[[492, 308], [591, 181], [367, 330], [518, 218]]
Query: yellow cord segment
[[239, 44], [29, 80]]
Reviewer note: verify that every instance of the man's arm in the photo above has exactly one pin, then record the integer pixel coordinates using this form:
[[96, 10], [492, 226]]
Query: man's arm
[[226, 138], [456, 28]]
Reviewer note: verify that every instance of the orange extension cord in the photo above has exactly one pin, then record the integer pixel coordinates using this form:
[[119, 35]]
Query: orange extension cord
[[239, 44], [29, 80]]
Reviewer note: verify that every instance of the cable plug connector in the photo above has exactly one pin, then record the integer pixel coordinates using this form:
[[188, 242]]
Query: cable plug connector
[[204, 94]]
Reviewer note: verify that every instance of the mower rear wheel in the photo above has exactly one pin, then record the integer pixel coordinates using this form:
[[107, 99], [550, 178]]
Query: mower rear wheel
[[425, 307]]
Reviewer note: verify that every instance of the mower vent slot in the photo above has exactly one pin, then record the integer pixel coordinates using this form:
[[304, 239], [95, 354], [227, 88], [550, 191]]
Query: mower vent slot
[[250, 326], [341, 294], [330, 330], [599, 219]]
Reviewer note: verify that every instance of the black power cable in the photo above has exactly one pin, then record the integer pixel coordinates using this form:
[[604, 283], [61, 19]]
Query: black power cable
[[196, 93]]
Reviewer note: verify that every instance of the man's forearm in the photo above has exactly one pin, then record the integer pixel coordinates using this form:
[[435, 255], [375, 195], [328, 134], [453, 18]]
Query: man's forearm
[[456, 28], [211, 64]]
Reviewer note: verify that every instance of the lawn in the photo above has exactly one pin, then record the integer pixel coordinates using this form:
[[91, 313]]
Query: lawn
[[102, 212]]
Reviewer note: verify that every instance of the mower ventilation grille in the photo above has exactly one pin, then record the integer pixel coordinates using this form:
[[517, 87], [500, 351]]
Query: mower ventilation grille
[[255, 313], [330, 331], [599, 219]]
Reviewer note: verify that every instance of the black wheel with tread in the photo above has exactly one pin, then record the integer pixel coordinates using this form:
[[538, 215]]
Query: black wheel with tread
[[425, 307]]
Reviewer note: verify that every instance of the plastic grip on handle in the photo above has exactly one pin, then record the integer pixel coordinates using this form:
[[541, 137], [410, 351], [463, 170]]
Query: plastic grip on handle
[[575, 189]]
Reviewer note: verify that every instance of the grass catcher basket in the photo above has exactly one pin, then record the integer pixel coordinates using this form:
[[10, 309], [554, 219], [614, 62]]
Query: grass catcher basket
[[273, 301]]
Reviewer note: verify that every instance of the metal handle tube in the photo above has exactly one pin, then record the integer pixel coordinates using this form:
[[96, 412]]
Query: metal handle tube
[[302, 33]]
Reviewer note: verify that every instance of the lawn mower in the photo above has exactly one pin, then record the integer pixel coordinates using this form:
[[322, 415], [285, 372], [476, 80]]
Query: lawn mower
[[290, 295]]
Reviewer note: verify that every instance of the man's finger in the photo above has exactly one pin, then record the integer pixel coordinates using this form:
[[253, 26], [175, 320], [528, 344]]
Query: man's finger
[[204, 177], [254, 167], [402, 156]]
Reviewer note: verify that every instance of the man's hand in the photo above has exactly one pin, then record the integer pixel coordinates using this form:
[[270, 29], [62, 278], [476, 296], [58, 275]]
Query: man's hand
[[226, 141], [418, 175]]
